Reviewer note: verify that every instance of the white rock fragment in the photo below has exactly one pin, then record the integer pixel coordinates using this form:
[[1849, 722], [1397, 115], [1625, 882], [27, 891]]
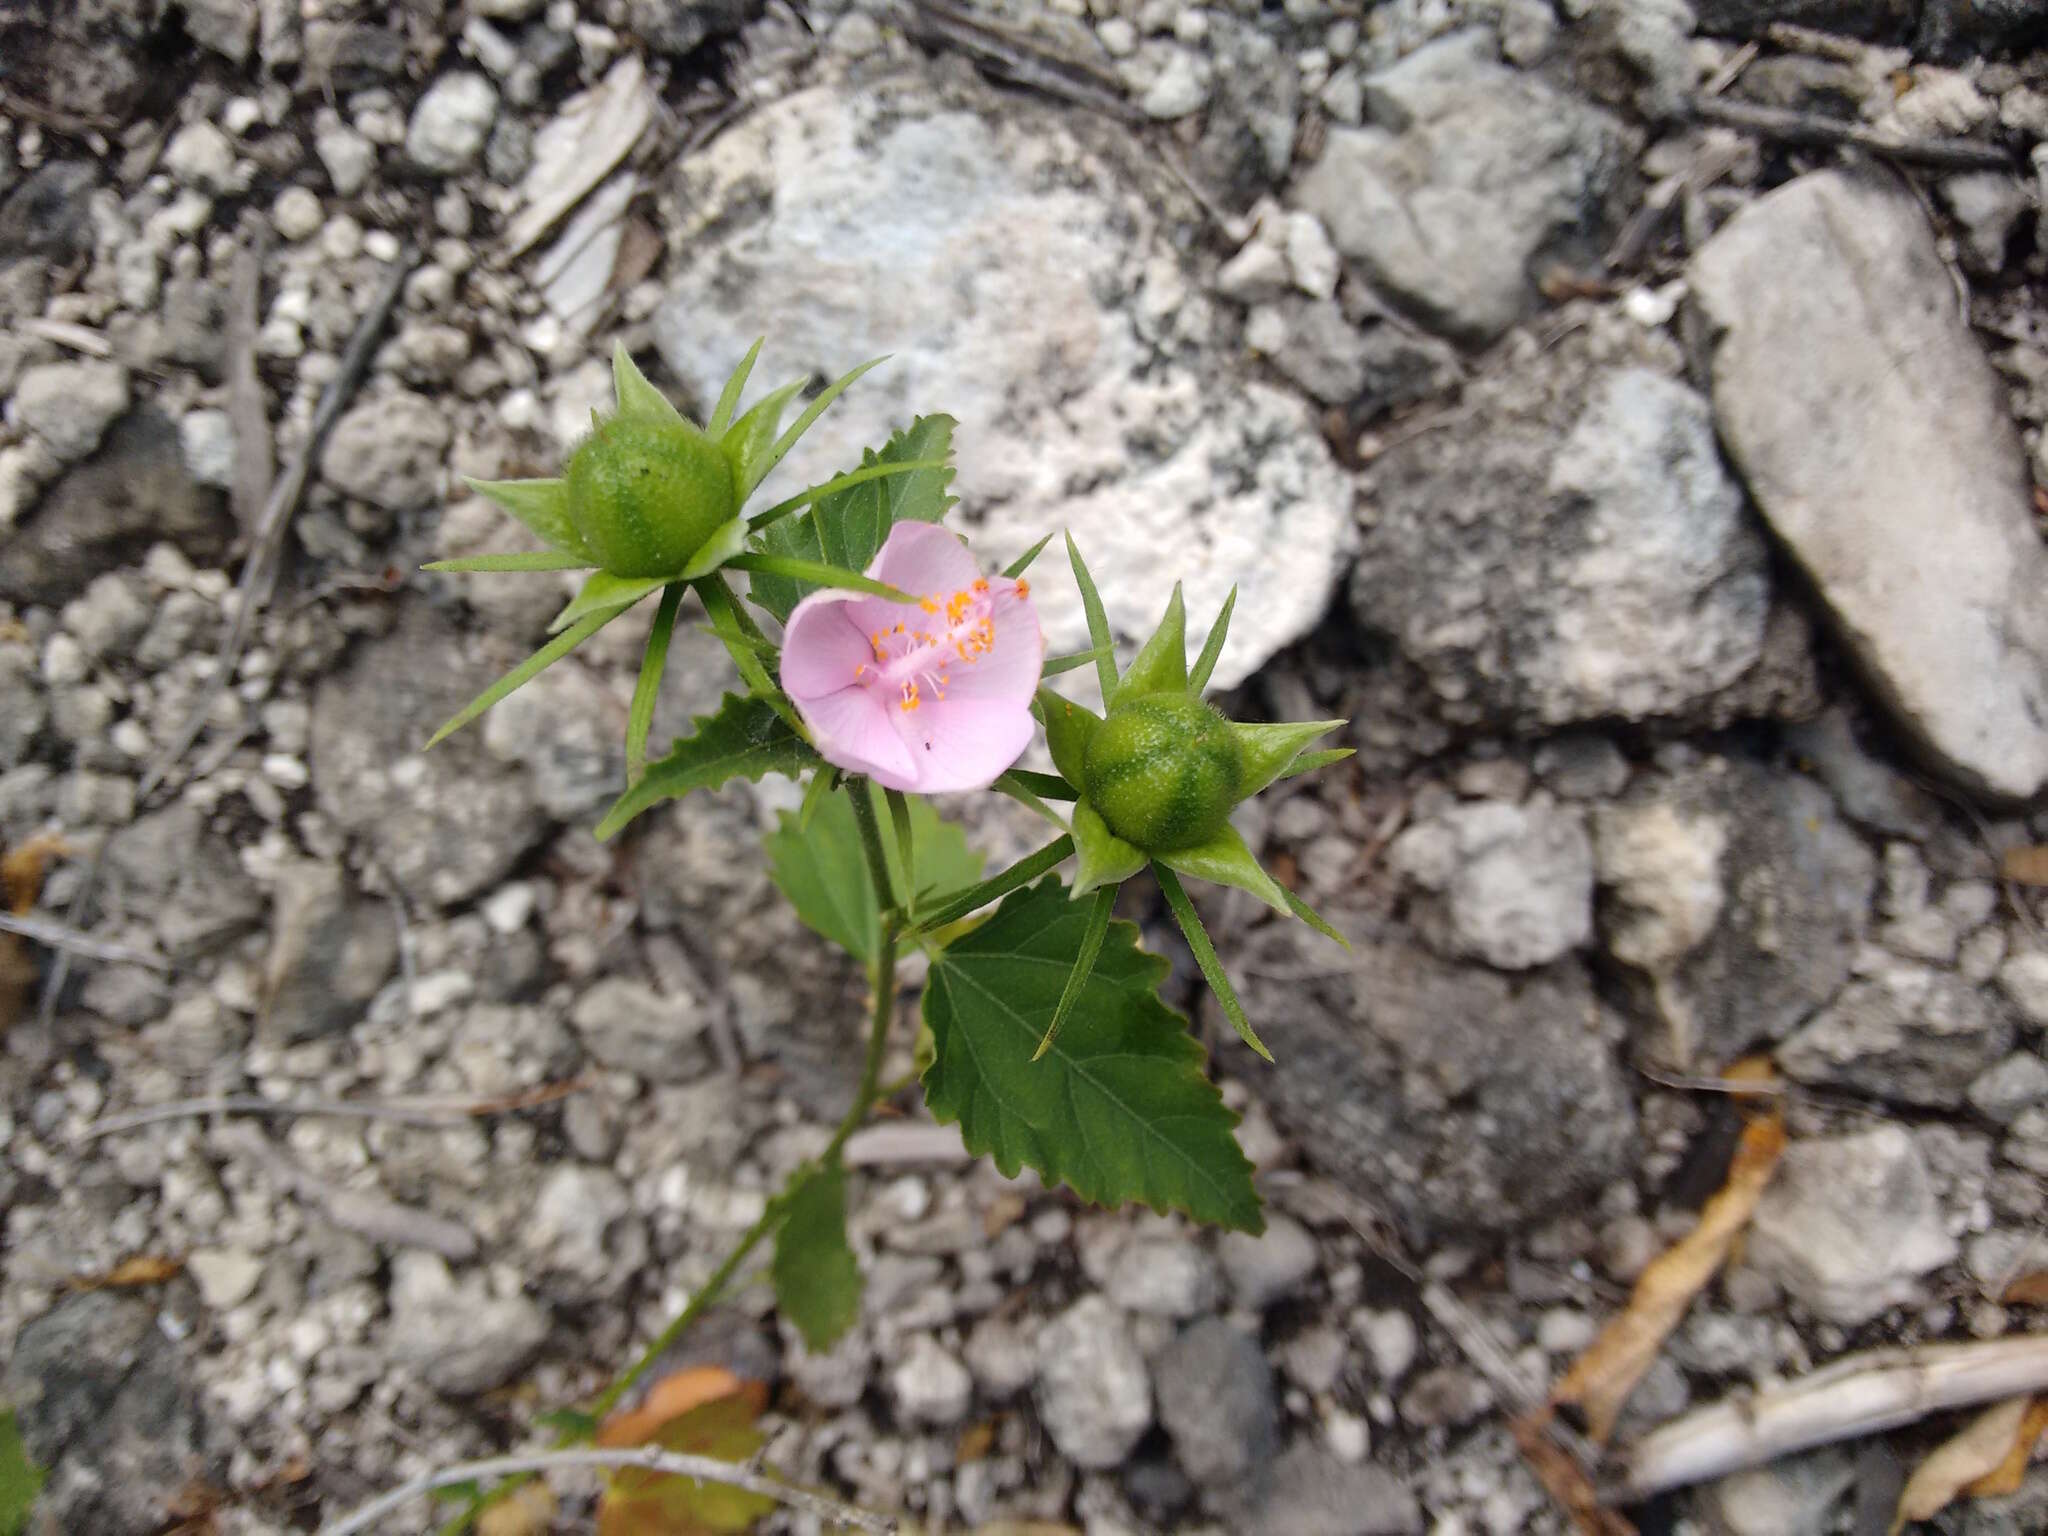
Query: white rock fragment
[[206, 438], [1181, 88], [347, 155], [297, 214], [451, 123], [200, 155], [70, 405], [1311, 258]]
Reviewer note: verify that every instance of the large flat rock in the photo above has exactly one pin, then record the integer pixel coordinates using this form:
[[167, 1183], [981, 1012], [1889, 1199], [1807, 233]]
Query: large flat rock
[[1874, 438], [1021, 281]]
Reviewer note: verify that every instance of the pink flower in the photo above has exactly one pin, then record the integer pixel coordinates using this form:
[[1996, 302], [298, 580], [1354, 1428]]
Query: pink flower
[[930, 696]]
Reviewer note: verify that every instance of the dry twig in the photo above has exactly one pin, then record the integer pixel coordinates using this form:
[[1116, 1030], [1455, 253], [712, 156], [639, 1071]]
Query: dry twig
[[1864, 1394], [702, 1469], [68, 940], [1813, 130], [421, 1113]]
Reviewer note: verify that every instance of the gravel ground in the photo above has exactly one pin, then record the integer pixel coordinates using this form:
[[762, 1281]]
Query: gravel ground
[[1659, 495]]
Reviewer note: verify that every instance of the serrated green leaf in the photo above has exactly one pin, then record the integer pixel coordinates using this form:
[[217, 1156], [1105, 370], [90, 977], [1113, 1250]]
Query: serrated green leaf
[[637, 397], [570, 1423], [19, 1479], [817, 1279], [1120, 1109], [524, 560], [603, 592], [525, 672], [542, 505], [1106, 859], [742, 739], [1161, 665], [821, 870], [1212, 645], [848, 527]]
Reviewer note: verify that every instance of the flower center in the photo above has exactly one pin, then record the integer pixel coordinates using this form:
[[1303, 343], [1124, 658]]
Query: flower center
[[914, 659]]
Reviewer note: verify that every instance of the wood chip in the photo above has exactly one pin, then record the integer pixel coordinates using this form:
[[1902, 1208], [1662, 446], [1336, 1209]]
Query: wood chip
[[1977, 1451]]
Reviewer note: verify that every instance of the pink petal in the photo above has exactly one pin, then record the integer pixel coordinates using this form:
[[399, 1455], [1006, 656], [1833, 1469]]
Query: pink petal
[[1008, 672], [962, 743], [822, 649], [924, 559], [853, 731]]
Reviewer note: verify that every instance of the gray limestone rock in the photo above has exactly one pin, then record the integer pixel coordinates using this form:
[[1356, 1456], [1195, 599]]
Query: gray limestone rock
[[1309, 1492], [104, 1409], [330, 952], [449, 823], [388, 451], [1469, 177], [627, 1025], [172, 867], [451, 123], [1577, 553], [1513, 883], [1458, 1097], [23, 713], [1216, 1400], [457, 1336], [106, 512], [1850, 1225], [1909, 1033], [1094, 1392], [1901, 490], [1008, 261], [71, 405], [1737, 896]]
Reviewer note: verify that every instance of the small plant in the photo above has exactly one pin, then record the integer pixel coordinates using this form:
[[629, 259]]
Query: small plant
[[898, 667]]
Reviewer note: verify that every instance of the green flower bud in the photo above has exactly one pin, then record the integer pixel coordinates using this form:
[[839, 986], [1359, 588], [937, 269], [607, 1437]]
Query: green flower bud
[[644, 495], [1163, 771]]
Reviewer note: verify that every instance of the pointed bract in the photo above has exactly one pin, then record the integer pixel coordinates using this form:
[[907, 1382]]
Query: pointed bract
[[727, 540], [757, 470], [636, 396], [1105, 858], [735, 386], [1098, 623], [1161, 665], [1212, 646], [1226, 860], [605, 593], [1268, 749], [1068, 726], [542, 505], [747, 441]]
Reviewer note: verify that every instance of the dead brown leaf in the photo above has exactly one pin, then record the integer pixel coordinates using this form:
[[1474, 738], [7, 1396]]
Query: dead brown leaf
[[143, 1269], [1977, 1451], [528, 1511], [21, 882], [672, 1397], [1601, 1379], [2025, 866], [2007, 1476], [1564, 1479], [2030, 1290], [975, 1442]]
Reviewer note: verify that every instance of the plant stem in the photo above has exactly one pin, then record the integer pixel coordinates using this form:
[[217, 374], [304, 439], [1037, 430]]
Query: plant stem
[[862, 797], [882, 987]]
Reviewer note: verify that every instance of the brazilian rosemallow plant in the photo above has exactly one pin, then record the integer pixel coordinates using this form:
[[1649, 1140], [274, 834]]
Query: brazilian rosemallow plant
[[881, 662]]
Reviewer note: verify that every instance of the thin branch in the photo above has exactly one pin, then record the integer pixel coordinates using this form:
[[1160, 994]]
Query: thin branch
[[62, 936], [419, 1113], [1864, 1394], [1813, 130], [702, 1469]]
